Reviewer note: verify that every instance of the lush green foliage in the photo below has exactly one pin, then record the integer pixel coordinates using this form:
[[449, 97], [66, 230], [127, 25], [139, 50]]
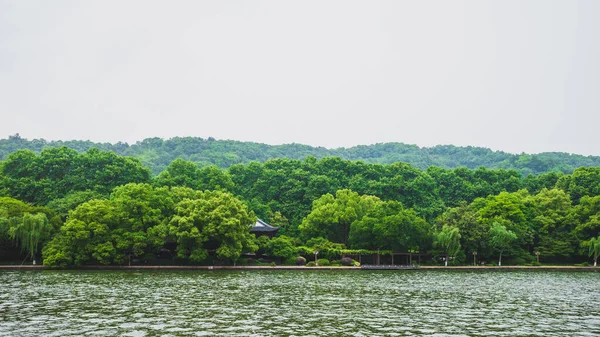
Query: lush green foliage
[[448, 240], [282, 246], [25, 226], [57, 172], [157, 154], [594, 250], [138, 219], [103, 208], [31, 232], [501, 239], [212, 219]]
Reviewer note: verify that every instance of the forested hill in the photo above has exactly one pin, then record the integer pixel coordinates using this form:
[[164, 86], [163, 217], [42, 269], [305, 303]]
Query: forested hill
[[157, 154]]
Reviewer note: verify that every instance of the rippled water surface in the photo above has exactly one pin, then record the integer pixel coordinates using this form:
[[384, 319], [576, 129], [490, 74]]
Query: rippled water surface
[[298, 303]]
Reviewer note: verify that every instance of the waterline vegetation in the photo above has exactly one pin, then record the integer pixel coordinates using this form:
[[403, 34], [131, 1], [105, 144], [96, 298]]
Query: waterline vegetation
[[101, 208]]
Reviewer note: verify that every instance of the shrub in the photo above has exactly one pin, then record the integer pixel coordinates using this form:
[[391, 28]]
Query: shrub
[[311, 264], [516, 261], [300, 261], [323, 262], [584, 264], [336, 263], [273, 264], [346, 261], [282, 246]]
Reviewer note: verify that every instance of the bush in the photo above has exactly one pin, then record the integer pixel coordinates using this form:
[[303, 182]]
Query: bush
[[346, 261], [273, 264], [584, 264], [323, 262], [311, 264], [336, 263], [300, 261], [515, 261], [282, 246]]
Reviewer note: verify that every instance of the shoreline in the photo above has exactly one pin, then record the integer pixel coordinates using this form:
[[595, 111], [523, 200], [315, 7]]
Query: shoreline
[[304, 268]]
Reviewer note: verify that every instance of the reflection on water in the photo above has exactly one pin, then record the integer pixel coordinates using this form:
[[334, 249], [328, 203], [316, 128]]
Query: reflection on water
[[293, 303]]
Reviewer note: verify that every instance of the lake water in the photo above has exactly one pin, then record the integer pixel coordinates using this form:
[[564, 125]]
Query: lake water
[[299, 303]]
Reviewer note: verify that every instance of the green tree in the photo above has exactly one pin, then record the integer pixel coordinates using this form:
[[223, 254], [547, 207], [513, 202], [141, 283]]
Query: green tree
[[448, 240], [187, 174], [85, 236], [584, 181], [214, 220], [57, 172], [594, 249], [586, 216], [282, 246], [553, 224], [215, 179], [390, 226], [181, 173], [511, 210], [332, 217], [31, 233], [322, 244], [131, 223], [501, 239], [474, 232], [62, 206]]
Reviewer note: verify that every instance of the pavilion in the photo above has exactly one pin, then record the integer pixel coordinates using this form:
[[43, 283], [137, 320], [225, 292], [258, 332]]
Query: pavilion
[[263, 228]]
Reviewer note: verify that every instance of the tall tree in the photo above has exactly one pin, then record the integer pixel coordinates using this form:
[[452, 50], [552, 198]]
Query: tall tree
[[594, 250], [553, 224], [31, 232], [398, 228], [501, 239], [448, 239], [584, 181], [215, 220], [331, 217]]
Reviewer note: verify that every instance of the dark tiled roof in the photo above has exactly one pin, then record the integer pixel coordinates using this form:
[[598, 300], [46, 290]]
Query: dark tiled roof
[[261, 226]]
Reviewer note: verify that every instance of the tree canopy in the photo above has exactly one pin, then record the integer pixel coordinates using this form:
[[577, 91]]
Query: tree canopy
[[100, 207], [158, 154]]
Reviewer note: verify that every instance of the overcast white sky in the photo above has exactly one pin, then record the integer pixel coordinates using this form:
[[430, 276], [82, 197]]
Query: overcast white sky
[[518, 76]]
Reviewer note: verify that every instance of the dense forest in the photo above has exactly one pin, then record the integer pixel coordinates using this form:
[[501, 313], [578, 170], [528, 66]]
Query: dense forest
[[70, 208], [157, 154]]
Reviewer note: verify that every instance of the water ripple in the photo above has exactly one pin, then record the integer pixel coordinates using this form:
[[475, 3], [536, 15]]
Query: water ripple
[[292, 303]]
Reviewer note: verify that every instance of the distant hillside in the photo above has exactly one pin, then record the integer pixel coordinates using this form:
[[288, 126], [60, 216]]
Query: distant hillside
[[157, 153]]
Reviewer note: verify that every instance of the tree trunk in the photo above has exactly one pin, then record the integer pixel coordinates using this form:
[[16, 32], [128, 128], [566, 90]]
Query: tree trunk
[[34, 262], [446, 262], [500, 260], [346, 233], [595, 261]]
